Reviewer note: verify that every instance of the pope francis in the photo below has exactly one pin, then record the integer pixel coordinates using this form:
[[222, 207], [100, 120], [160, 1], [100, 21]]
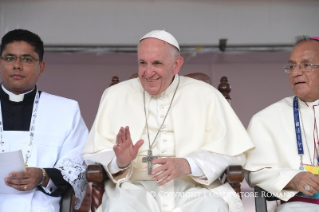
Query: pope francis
[[165, 139]]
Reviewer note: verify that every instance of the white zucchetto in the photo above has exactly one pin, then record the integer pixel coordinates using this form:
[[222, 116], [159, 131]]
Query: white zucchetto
[[162, 35]]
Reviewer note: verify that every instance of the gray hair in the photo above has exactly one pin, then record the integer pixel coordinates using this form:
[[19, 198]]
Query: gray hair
[[175, 52], [304, 38]]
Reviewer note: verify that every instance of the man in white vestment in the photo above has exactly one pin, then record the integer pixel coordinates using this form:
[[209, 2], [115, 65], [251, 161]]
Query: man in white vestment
[[48, 129], [286, 135], [186, 124]]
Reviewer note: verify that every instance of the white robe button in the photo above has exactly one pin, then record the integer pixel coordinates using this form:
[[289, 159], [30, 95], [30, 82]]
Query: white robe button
[[162, 116]]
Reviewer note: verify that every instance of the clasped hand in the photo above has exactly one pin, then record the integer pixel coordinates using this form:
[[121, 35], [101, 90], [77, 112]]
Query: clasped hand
[[24, 181], [301, 180], [126, 152], [170, 168]]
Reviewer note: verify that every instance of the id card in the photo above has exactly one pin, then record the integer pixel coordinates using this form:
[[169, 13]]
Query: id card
[[314, 170]]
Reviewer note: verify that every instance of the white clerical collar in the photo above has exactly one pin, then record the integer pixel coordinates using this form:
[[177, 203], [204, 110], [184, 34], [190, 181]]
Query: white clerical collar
[[171, 88], [14, 97]]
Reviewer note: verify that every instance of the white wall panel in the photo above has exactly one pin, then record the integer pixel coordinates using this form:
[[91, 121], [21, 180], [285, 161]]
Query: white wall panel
[[200, 22]]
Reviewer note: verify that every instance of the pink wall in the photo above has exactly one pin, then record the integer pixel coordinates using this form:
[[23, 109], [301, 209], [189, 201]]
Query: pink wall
[[254, 87]]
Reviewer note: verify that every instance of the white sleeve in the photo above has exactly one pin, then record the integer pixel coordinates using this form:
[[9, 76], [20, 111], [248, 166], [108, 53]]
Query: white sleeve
[[213, 165], [113, 167], [195, 169], [70, 162], [273, 180]]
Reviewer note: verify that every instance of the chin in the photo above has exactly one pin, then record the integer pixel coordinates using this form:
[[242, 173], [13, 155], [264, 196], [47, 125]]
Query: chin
[[303, 97], [299, 93], [300, 96], [152, 91]]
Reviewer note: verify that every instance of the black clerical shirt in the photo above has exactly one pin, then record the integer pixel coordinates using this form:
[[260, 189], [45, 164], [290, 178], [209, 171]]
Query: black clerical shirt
[[16, 116]]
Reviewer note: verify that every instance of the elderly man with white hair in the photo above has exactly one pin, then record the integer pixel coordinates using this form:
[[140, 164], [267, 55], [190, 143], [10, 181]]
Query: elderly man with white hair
[[165, 139], [286, 159]]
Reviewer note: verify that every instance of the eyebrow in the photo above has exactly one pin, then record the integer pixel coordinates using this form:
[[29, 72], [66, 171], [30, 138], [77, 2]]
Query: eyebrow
[[9, 54], [302, 61], [153, 62]]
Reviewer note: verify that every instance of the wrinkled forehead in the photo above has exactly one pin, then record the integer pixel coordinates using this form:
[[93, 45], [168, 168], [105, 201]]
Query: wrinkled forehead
[[308, 50]]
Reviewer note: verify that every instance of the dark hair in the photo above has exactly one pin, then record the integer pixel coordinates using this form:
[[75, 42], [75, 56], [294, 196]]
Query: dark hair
[[26, 36], [304, 38]]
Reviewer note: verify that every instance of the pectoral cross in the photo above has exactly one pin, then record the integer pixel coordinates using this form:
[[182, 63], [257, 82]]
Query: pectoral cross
[[149, 159]]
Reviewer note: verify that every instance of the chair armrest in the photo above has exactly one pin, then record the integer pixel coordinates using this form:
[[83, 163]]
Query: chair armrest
[[96, 174], [234, 175], [97, 195], [66, 200]]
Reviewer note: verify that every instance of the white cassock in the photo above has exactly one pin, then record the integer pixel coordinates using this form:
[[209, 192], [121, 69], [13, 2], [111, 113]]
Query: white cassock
[[275, 160], [200, 125], [59, 137]]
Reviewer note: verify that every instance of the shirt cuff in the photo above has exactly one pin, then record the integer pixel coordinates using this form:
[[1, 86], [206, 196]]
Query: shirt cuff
[[195, 169], [51, 187], [113, 167]]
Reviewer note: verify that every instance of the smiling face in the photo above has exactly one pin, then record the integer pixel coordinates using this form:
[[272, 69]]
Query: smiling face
[[305, 85], [17, 76], [158, 63]]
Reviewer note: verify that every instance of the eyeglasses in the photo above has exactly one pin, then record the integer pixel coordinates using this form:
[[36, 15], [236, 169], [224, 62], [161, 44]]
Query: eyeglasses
[[25, 59], [305, 67]]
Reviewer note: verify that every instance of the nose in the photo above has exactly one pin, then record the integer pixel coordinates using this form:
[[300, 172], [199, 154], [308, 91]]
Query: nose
[[17, 63], [149, 72], [297, 71]]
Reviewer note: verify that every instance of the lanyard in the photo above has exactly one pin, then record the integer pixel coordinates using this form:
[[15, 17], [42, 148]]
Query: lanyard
[[297, 127], [31, 131]]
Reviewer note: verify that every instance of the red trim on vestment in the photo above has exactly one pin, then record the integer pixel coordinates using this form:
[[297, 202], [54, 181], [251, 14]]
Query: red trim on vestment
[[302, 199], [315, 136]]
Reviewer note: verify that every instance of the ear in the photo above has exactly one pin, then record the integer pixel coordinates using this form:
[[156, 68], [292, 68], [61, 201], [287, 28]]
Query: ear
[[42, 66], [178, 64]]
